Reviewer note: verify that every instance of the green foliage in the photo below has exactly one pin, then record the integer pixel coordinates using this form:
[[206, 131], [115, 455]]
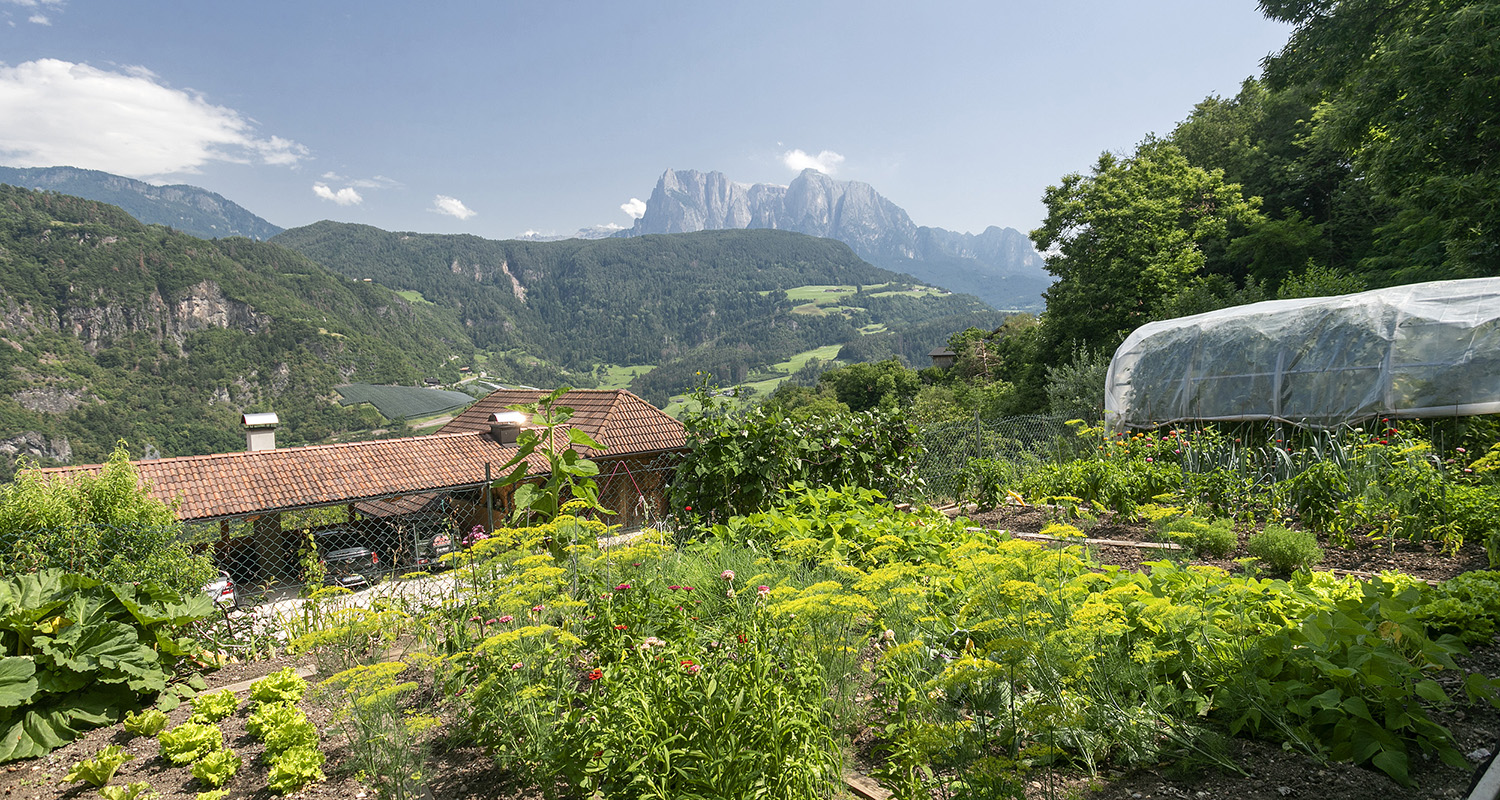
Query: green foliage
[[76, 653], [1125, 236], [270, 716], [863, 387], [1285, 550], [148, 722], [216, 768], [710, 301], [1467, 606], [1352, 682], [190, 741], [105, 526], [212, 794], [291, 732], [98, 770], [739, 463], [296, 331], [295, 768], [387, 744], [1206, 538], [282, 686], [849, 525], [139, 790], [214, 706], [569, 474]]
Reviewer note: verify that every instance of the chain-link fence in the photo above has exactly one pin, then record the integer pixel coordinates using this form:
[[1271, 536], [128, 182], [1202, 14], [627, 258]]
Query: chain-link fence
[[280, 552], [948, 447]]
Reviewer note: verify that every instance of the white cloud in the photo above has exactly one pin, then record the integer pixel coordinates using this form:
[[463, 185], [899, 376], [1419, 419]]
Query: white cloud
[[55, 112], [635, 208], [377, 182], [826, 161], [344, 197], [39, 19], [452, 206]]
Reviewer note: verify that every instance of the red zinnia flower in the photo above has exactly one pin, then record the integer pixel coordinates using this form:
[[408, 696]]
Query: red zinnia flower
[[595, 674]]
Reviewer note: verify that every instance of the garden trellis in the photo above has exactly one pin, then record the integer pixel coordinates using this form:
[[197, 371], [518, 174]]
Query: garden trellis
[[1422, 350]]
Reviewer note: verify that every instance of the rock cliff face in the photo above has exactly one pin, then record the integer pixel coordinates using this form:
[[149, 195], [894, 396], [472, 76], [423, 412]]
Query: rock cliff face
[[999, 265], [198, 308]]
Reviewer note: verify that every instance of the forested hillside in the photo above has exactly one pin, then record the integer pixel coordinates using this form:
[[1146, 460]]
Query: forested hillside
[[119, 330], [712, 301]]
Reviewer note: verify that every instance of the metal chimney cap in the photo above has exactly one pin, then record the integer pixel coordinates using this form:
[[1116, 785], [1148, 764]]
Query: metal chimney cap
[[508, 418], [261, 420]]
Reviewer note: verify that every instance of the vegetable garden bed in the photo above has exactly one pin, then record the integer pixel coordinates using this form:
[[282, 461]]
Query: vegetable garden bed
[[949, 662]]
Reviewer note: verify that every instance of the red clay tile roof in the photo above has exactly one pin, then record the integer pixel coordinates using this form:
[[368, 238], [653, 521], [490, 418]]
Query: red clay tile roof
[[619, 420], [238, 484]]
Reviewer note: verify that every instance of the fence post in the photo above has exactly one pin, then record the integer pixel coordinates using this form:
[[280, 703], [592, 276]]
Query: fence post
[[978, 435], [489, 499]]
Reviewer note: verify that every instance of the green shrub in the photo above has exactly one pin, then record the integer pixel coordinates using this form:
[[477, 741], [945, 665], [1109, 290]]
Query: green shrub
[[739, 463], [1285, 550], [146, 723], [1206, 538], [214, 706], [190, 741], [106, 526]]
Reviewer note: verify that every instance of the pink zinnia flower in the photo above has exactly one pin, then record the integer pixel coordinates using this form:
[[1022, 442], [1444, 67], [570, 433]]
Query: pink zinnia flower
[[727, 574], [506, 618]]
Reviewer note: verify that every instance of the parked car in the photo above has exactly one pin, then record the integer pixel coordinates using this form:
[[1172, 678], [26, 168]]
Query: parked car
[[347, 560], [432, 543], [221, 589]]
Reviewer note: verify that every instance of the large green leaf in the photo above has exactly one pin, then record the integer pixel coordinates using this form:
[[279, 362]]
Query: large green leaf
[[38, 731], [112, 652], [17, 681]]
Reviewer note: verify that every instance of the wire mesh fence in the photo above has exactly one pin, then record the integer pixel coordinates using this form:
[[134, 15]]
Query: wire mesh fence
[[947, 448], [281, 553]]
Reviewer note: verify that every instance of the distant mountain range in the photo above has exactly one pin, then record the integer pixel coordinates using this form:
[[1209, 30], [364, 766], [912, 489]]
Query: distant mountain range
[[1000, 266], [188, 209]]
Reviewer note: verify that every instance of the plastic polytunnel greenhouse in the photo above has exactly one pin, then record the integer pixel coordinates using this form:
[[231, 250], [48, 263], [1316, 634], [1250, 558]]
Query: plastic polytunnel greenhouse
[[1423, 350]]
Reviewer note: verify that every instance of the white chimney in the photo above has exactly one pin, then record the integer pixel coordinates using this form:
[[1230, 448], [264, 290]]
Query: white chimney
[[260, 431], [506, 426]]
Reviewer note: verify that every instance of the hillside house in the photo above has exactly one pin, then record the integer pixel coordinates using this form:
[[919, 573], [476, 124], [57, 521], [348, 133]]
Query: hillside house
[[380, 492]]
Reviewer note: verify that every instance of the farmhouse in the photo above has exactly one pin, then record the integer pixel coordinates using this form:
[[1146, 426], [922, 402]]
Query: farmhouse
[[396, 495]]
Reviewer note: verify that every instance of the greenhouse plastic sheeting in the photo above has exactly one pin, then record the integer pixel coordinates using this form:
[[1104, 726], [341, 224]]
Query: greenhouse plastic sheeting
[[1423, 350]]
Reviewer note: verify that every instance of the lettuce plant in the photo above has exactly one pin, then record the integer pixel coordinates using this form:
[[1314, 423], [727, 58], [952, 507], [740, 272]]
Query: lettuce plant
[[214, 706], [98, 770], [190, 741], [278, 687], [140, 790], [271, 716], [216, 768], [145, 723], [295, 768]]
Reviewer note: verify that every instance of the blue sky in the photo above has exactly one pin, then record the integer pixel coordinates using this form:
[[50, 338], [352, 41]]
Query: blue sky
[[495, 118]]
